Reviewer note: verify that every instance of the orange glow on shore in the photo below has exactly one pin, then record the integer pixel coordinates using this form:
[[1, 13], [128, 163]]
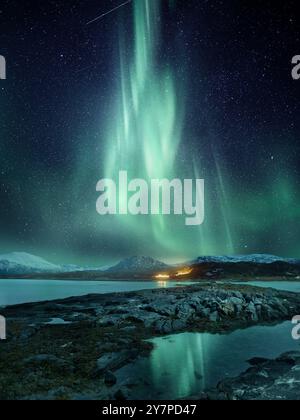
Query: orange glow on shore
[[162, 276], [184, 272], [165, 276]]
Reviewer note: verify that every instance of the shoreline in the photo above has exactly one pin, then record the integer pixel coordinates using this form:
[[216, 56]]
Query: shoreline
[[233, 279], [103, 333]]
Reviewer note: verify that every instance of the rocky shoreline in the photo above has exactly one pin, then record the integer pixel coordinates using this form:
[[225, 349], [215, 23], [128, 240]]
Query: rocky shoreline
[[72, 348], [265, 380]]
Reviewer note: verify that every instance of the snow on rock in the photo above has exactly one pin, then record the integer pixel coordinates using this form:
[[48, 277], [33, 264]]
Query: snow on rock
[[252, 258], [138, 264], [23, 262]]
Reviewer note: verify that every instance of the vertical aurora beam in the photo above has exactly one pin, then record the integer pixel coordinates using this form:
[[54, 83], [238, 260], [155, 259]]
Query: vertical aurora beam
[[146, 130], [144, 138]]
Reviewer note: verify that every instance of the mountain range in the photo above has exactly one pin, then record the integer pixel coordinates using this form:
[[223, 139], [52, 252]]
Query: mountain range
[[22, 263], [26, 265]]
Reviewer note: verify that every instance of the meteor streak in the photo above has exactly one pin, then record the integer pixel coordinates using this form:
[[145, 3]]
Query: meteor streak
[[110, 11]]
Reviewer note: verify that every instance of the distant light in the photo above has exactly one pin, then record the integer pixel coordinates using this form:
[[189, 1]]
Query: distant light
[[163, 283], [184, 272], [162, 276]]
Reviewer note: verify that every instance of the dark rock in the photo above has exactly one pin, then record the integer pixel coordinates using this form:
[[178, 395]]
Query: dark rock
[[112, 361], [121, 394], [185, 310], [27, 333], [50, 360], [163, 326], [110, 379], [179, 324], [292, 357], [129, 329], [265, 380], [161, 308], [214, 316], [251, 310], [228, 309], [201, 307], [257, 361], [118, 311]]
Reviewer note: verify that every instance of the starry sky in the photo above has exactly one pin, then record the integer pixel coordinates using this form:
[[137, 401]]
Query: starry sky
[[161, 88]]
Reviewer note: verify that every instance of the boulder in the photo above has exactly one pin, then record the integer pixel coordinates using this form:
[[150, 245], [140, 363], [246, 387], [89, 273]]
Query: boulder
[[214, 316], [50, 360], [112, 361], [110, 379]]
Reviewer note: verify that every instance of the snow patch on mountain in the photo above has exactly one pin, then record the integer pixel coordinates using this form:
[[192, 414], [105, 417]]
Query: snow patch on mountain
[[252, 258], [21, 263], [138, 264]]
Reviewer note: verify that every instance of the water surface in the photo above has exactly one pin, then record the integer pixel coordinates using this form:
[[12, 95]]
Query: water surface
[[16, 291], [186, 364], [290, 286]]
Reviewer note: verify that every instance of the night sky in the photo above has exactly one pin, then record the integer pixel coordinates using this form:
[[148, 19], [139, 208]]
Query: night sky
[[200, 88]]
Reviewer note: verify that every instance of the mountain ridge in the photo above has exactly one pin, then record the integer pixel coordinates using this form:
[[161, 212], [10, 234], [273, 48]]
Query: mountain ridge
[[248, 258], [28, 265], [140, 263], [25, 263]]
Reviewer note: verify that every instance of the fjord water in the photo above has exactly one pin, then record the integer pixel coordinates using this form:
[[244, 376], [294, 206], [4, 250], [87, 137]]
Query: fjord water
[[289, 286], [186, 364], [13, 292]]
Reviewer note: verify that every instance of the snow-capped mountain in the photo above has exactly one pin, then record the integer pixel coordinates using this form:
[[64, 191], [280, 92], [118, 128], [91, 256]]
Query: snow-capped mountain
[[250, 266], [252, 258], [71, 268], [138, 264], [23, 263]]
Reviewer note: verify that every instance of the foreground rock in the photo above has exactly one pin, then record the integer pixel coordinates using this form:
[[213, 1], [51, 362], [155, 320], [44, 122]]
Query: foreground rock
[[277, 379], [77, 359]]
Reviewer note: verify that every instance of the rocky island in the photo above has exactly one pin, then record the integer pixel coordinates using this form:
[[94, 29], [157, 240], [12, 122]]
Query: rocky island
[[74, 348]]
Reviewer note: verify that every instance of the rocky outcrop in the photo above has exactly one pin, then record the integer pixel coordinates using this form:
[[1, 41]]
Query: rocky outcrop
[[112, 361], [99, 334], [165, 311], [277, 379]]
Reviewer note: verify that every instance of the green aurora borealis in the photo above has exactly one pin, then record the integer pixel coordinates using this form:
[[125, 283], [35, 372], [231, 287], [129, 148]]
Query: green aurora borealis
[[144, 139], [147, 129], [141, 116]]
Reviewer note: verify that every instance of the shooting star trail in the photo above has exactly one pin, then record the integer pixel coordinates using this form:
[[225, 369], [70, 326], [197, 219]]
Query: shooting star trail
[[110, 11]]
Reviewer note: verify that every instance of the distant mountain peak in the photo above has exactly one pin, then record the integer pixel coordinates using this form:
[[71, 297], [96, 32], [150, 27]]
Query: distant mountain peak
[[139, 264], [23, 263]]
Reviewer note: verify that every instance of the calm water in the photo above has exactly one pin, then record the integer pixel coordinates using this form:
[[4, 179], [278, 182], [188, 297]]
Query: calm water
[[13, 292], [290, 286], [186, 364]]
